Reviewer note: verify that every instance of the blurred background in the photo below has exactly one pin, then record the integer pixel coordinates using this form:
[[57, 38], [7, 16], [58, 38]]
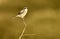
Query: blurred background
[[42, 19]]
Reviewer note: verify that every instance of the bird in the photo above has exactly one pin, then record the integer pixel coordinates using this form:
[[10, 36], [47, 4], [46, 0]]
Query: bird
[[23, 12]]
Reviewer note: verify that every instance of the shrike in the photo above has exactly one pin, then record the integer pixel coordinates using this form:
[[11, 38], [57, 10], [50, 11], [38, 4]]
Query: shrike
[[22, 13]]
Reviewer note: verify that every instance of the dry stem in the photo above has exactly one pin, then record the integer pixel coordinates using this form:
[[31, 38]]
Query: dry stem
[[23, 29]]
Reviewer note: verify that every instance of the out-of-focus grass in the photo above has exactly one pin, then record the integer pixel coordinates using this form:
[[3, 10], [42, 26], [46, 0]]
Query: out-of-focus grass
[[43, 19]]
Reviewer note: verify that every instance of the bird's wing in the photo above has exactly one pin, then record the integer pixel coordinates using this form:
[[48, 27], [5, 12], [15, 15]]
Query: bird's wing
[[22, 11]]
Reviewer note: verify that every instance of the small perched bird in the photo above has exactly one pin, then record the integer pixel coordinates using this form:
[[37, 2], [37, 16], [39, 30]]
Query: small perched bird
[[22, 13]]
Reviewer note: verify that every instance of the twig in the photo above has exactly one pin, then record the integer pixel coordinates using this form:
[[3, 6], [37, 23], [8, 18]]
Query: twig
[[23, 29], [28, 34]]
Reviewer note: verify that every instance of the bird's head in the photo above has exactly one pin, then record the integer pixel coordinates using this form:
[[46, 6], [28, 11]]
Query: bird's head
[[25, 8]]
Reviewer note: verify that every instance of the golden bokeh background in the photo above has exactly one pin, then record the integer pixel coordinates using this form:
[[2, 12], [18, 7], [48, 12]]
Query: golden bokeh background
[[43, 19]]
